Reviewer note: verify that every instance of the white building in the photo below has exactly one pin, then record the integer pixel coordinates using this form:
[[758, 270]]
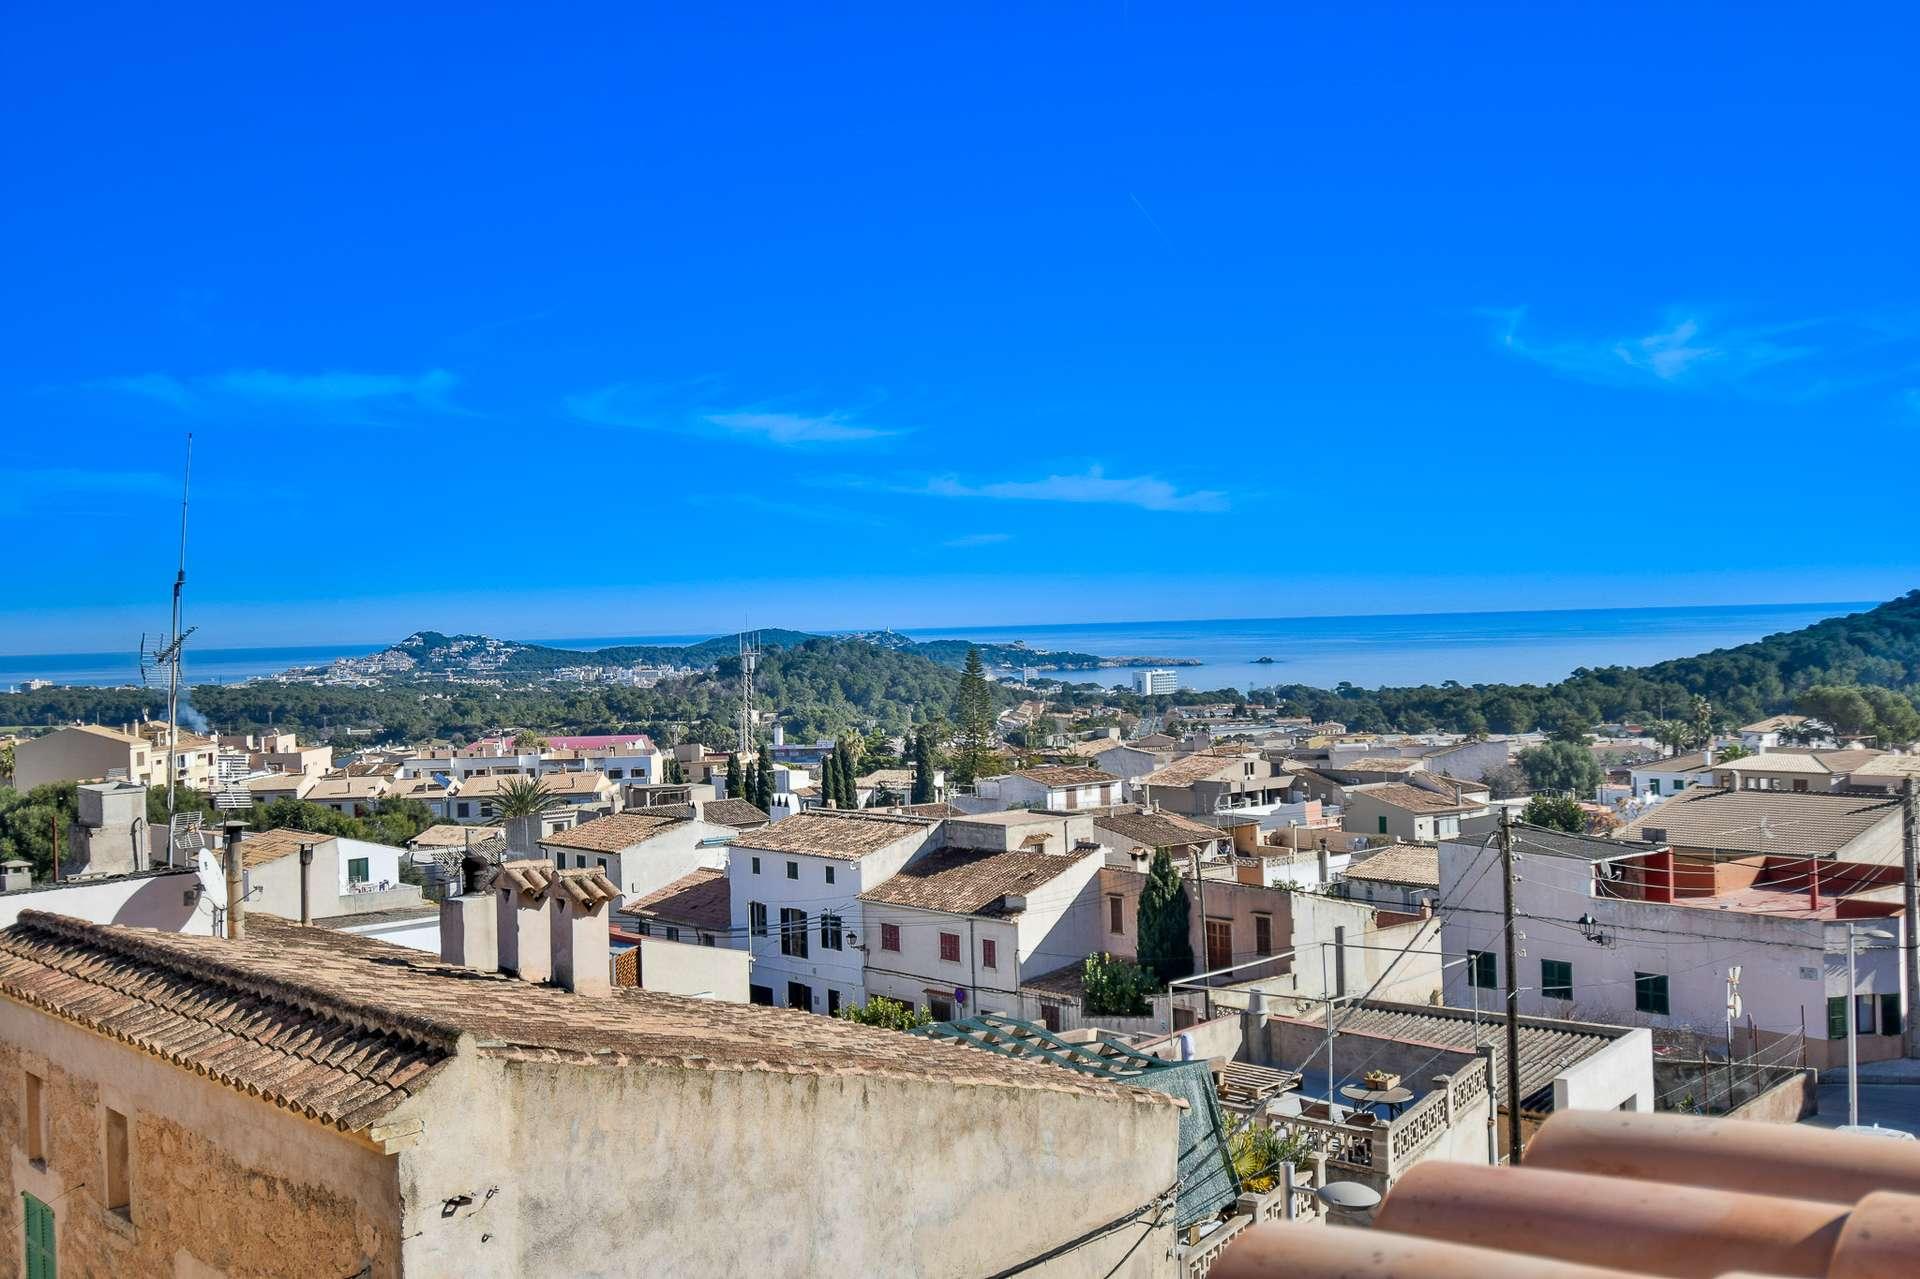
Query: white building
[[1770, 732], [640, 852], [1626, 933], [1148, 683], [1060, 788], [795, 888], [957, 930], [1671, 775]]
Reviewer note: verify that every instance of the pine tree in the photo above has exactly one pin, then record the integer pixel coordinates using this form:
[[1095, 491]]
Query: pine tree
[[830, 780], [674, 775], [736, 780], [763, 780], [973, 712], [922, 768], [1162, 921]]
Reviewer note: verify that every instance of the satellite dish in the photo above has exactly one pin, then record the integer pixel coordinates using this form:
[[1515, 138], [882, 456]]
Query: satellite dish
[[1350, 1195]]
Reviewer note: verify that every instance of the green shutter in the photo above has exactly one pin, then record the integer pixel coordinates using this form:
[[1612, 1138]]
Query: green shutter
[[1889, 1014], [1837, 1017], [40, 1251], [1383, 824]]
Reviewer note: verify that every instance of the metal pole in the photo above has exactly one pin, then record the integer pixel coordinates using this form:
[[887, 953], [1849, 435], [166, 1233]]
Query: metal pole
[[1326, 994], [236, 892], [1485, 1053], [1910, 920], [1513, 990], [306, 875], [1853, 1028], [1200, 888]]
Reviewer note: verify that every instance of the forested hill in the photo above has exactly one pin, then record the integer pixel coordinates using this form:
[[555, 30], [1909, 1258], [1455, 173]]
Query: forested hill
[[1879, 649]]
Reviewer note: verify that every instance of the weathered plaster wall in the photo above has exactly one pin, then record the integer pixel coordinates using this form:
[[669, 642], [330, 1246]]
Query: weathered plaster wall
[[784, 1175], [222, 1184]]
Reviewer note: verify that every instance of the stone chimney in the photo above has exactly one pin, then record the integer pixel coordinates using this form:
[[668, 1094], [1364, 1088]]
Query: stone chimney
[[1326, 863], [236, 882], [18, 874], [520, 903], [579, 902]]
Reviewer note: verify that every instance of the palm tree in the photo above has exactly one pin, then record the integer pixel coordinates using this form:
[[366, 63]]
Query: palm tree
[[523, 797]]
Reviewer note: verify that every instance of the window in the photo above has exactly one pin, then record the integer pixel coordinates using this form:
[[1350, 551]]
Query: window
[[1050, 1017], [466, 809], [36, 1118], [706, 939], [119, 1166], [602, 861], [1383, 823], [762, 995], [1836, 1017], [1800, 783], [989, 953], [793, 870], [560, 861], [356, 870], [793, 932], [950, 948], [942, 1009], [1115, 922], [829, 931], [800, 995], [1650, 993], [1556, 979], [645, 929], [757, 920], [1219, 943], [829, 874], [673, 934], [1890, 1014], [756, 865], [1481, 972], [1863, 1014], [1653, 785], [1263, 934], [833, 1002], [580, 861], [41, 1262], [889, 937]]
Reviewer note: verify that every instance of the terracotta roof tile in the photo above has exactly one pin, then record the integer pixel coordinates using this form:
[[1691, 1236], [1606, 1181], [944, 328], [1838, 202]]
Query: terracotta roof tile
[[259, 848], [701, 899], [966, 881], [1067, 775], [1156, 830], [847, 836], [1758, 821], [612, 833], [1416, 864], [737, 813], [1407, 796]]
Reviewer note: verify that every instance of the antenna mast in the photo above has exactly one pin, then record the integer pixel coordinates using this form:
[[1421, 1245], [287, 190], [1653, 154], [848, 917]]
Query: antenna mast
[[171, 653], [749, 658]]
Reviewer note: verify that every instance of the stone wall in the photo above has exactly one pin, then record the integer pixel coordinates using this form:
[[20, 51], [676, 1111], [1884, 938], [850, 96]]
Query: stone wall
[[221, 1183]]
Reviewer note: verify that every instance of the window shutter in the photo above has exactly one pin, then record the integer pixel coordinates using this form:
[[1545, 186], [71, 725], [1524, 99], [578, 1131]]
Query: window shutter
[[1837, 1017]]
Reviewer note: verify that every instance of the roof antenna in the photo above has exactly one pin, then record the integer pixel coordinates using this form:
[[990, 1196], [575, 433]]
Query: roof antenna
[[165, 654]]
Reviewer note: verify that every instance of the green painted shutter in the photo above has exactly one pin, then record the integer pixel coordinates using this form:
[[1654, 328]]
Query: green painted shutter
[[1383, 825], [40, 1253], [1837, 1017]]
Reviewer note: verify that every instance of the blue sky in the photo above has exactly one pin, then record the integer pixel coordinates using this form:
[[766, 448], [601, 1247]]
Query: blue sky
[[645, 320]]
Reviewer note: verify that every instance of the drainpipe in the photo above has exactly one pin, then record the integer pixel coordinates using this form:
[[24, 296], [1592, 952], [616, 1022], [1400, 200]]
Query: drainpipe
[[236, 895], [306, 881]]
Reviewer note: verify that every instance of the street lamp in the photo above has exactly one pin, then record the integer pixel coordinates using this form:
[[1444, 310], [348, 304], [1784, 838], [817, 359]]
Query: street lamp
[[1854, 933]]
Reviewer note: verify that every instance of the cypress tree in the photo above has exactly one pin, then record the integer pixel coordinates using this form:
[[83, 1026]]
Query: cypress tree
[[830, 780], [1162, 921], [922, 768], [849, 790], [763, 780], [736, 780]]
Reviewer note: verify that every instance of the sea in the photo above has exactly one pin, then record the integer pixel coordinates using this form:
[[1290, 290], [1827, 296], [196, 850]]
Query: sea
[[1367, 651]]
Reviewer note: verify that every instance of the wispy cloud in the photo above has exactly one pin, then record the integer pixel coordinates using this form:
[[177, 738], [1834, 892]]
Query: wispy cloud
[[977, 539], [330, 390], [1692, 349], [1095, 486], [650, 409], [38, 487]]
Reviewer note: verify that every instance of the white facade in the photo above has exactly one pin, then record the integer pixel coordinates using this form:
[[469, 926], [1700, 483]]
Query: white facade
[[651, 864], [832, 975], [1060, 924], [1148, 683], [1789, 967], [1016, 790], [1660, 778]]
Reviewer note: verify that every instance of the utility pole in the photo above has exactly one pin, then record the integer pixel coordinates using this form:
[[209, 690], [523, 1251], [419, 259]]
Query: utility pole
[[1513, 990], [1206, 963], [1910, 896]]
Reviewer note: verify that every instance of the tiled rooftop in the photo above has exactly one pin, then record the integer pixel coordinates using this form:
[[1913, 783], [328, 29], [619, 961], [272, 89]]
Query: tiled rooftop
[[451, 836], [342, 1028], [1067, 775], [1416, 864], [701, 899], [612, 833], [1194, 768], [1156, 830], [257, 848], [1757, 821], [847, 836], [737, 813], [964, 881], [1405, 795]]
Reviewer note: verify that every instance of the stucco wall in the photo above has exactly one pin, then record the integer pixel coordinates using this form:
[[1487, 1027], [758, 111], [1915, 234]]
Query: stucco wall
[[686, 968], [147, 901], [221, 1183], [782, 1175]]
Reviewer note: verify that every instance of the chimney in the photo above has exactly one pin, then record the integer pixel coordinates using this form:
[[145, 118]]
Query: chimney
[[18, 874], [580, 900], [1326, 863], [236, 890], [306, 884], [469, 921], [520, 903], [1813, 886]]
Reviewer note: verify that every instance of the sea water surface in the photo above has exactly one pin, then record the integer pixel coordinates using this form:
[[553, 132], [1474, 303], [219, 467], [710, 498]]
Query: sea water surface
[[1370, 651]]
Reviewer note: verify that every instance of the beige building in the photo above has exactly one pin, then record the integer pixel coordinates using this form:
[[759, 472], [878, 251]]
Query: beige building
[[81, 753], [1407, 813], [313, 1103]]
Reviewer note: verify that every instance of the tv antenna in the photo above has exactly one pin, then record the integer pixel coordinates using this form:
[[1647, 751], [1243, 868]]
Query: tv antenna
[[161, 657], [749, 658]]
